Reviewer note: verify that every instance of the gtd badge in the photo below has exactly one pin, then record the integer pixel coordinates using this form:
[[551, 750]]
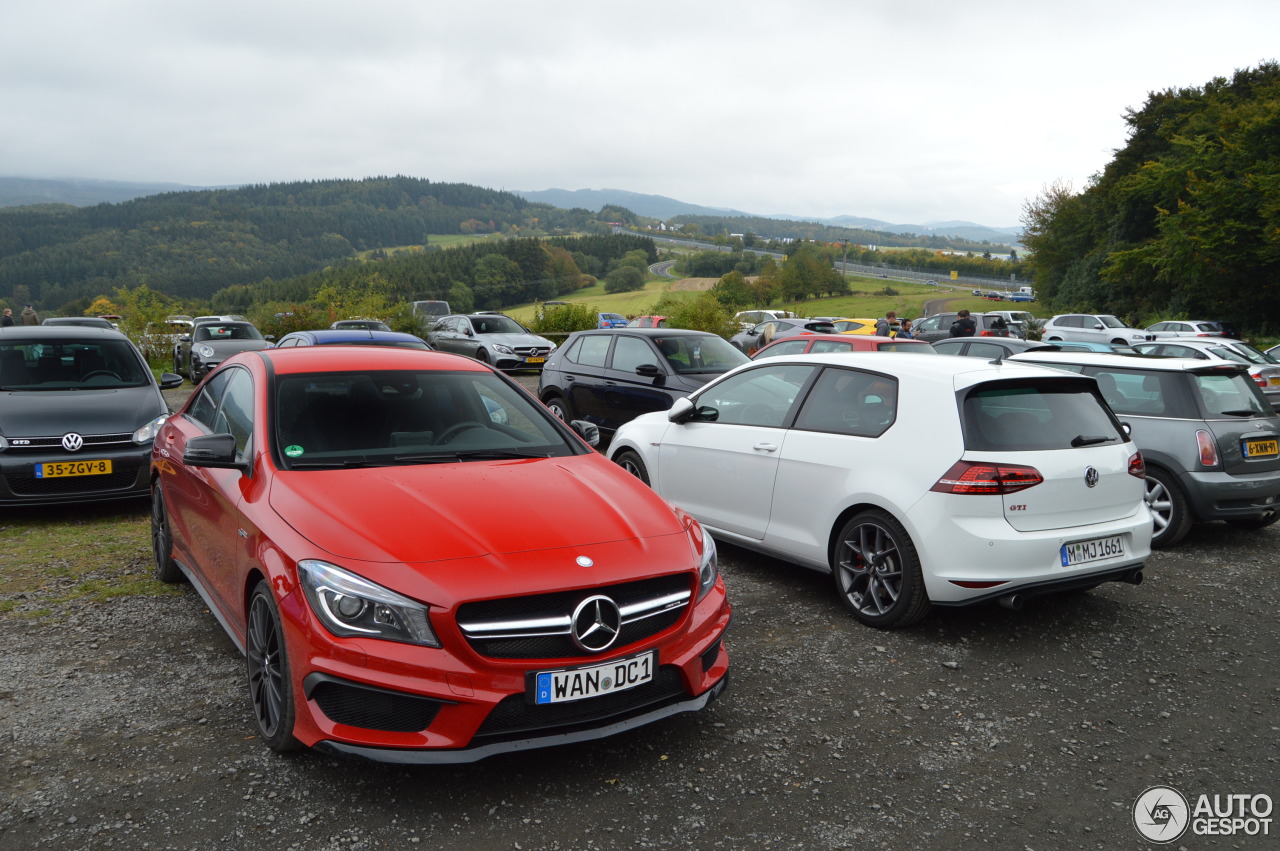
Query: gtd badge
[[72, 442]]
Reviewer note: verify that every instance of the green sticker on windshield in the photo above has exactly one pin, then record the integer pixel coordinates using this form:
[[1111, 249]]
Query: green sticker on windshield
[[293, 450]]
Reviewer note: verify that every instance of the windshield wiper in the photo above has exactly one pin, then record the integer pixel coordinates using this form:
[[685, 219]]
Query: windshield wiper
[[1090, 439], [470, 455], [334, 464]]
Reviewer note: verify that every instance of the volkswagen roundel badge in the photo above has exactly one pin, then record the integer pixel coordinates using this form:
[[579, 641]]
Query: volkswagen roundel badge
[[72, 442], [1091, 477], [597, 622]]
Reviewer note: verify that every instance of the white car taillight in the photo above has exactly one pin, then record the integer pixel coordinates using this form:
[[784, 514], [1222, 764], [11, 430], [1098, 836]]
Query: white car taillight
[[1137, 466], [977, 477]]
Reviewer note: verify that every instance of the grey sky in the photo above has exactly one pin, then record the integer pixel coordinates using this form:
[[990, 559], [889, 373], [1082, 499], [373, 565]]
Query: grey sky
[[903, 112]]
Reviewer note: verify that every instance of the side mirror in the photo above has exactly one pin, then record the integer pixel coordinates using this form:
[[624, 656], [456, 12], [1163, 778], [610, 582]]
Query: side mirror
[[270, 338], [185, 338], [588, 431], [652, 370], [681, 410], [170, 380], [213, 450], [1128, 429]]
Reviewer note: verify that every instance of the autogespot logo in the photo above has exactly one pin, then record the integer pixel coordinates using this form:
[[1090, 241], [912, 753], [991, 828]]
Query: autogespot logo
[[1160, 814]]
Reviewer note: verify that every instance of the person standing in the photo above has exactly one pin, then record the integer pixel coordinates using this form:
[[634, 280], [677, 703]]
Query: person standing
[[964, 326], [29, 316], [884, 325], [6, 321]]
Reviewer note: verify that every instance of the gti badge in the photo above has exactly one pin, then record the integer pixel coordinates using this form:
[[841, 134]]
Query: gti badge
[[1091, 477], [72, 442]]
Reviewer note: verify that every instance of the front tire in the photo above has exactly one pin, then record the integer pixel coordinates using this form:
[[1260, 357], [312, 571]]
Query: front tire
[[1168, 509], [167, 569], [483, 356], [268, 669], [877, 572], [630, 460]]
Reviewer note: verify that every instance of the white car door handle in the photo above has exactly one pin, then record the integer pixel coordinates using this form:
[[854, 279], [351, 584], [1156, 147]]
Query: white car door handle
[[766, 447]]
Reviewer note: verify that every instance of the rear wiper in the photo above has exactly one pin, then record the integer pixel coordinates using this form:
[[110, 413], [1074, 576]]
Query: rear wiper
[[1090, 439]]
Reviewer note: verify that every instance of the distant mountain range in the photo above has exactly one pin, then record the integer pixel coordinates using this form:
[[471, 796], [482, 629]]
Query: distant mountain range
[[23, 191], [661, 207]]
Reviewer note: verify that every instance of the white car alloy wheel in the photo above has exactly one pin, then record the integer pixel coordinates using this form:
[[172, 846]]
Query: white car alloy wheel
[[877, 572]]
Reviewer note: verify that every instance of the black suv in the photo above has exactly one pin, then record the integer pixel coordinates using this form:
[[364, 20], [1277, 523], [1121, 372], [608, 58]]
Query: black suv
[[611, 375], [938, 326]]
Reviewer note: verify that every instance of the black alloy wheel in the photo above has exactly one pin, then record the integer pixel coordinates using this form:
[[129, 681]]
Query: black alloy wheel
[[167, 569], [877, 572], [267, 665]]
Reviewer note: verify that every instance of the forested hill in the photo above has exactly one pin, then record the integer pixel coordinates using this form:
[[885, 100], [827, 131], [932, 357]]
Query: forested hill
[[192, 244]]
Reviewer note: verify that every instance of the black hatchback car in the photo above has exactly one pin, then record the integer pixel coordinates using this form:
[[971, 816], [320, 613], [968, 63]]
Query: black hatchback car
[[608, 376], [79, 408]]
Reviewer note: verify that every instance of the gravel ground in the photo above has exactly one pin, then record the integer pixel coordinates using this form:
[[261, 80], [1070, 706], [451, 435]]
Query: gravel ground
[[127, 724]]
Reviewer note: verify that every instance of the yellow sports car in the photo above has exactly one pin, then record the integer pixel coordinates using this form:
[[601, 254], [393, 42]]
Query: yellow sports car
[[855, 326]]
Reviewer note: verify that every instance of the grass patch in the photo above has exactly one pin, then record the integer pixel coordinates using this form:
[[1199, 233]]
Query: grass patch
[[60, 554]]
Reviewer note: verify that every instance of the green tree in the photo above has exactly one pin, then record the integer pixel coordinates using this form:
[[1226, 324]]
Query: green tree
[[733, 291], [624, 279]]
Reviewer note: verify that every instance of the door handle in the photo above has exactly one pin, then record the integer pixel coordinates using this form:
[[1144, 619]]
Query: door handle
[[766, 447]]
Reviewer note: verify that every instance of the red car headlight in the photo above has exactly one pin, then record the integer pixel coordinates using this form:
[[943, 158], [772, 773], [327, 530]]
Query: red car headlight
[[351, 606]]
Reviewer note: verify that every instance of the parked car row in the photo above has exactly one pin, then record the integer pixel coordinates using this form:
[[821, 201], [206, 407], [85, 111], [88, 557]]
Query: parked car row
[[387, 611]]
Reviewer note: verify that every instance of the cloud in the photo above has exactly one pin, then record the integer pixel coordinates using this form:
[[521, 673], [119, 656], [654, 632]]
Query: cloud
[[934, 111]]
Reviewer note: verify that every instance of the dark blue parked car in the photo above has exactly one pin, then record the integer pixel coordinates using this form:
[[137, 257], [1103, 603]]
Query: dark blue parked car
[[609, 376], [351, 337]]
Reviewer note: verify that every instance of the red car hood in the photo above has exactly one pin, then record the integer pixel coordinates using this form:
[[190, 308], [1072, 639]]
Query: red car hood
[[436, 512]]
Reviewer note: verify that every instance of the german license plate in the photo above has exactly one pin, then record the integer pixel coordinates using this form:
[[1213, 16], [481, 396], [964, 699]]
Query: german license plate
[[535, 360], [1273, 381], [1261, 448], [593, 680], [1096, 549], [59, 469]]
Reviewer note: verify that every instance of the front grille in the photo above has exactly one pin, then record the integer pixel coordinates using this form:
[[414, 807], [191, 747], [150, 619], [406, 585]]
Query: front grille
[[95, 441], [374, 709], [513, 718], [122, 477], [532, 351], [538, 626]]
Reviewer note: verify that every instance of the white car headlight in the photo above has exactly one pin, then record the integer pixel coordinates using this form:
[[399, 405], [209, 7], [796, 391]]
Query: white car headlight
[[351, 606], [148, 432]]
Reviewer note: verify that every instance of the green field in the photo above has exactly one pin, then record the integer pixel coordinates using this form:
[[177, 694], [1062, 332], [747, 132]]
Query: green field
[[867, 300]]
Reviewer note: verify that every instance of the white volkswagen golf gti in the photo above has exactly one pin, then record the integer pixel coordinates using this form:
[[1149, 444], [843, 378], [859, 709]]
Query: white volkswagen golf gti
[[913, 481]]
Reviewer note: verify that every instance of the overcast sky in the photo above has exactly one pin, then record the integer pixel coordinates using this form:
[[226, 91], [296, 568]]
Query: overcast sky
[[907, 112]]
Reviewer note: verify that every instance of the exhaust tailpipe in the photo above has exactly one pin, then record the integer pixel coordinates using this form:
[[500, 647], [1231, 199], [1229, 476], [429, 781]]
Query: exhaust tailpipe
[[1134, 578], [1012, 601]]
